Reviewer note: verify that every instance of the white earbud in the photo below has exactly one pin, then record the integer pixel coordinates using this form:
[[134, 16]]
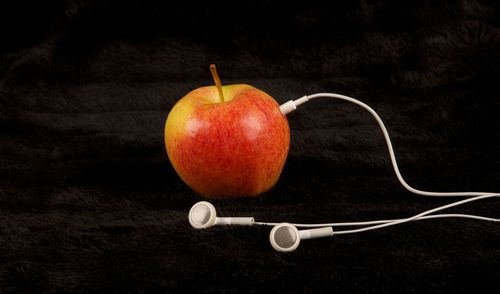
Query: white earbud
[[203, 215], [286, 237]]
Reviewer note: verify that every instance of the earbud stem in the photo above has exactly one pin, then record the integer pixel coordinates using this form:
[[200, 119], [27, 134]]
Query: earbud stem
[[243, 221], [316, 233]]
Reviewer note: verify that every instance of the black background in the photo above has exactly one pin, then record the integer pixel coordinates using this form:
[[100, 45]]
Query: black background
[[90, 203]]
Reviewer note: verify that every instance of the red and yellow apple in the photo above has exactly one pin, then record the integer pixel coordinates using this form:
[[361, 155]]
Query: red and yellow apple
[[227, 144]]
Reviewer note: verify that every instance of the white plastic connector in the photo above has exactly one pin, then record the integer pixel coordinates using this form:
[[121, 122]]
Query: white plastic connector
[[241, 221], [316, 233], [287, 107], [291, 105]]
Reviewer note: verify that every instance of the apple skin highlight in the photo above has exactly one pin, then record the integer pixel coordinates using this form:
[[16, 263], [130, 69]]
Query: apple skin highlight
[[230, 149]]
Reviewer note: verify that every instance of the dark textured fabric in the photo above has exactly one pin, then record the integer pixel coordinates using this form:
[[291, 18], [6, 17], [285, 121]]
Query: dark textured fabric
[[90, 203]]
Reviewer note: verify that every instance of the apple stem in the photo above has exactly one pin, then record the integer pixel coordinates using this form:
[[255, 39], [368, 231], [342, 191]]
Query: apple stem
[[217, 82]]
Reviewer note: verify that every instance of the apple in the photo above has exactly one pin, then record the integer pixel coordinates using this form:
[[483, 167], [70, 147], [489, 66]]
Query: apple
[[227, 141]]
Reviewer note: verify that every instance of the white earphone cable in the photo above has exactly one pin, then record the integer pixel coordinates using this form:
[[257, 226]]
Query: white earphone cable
[[292, 105], [418, 215], [349, 224]]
